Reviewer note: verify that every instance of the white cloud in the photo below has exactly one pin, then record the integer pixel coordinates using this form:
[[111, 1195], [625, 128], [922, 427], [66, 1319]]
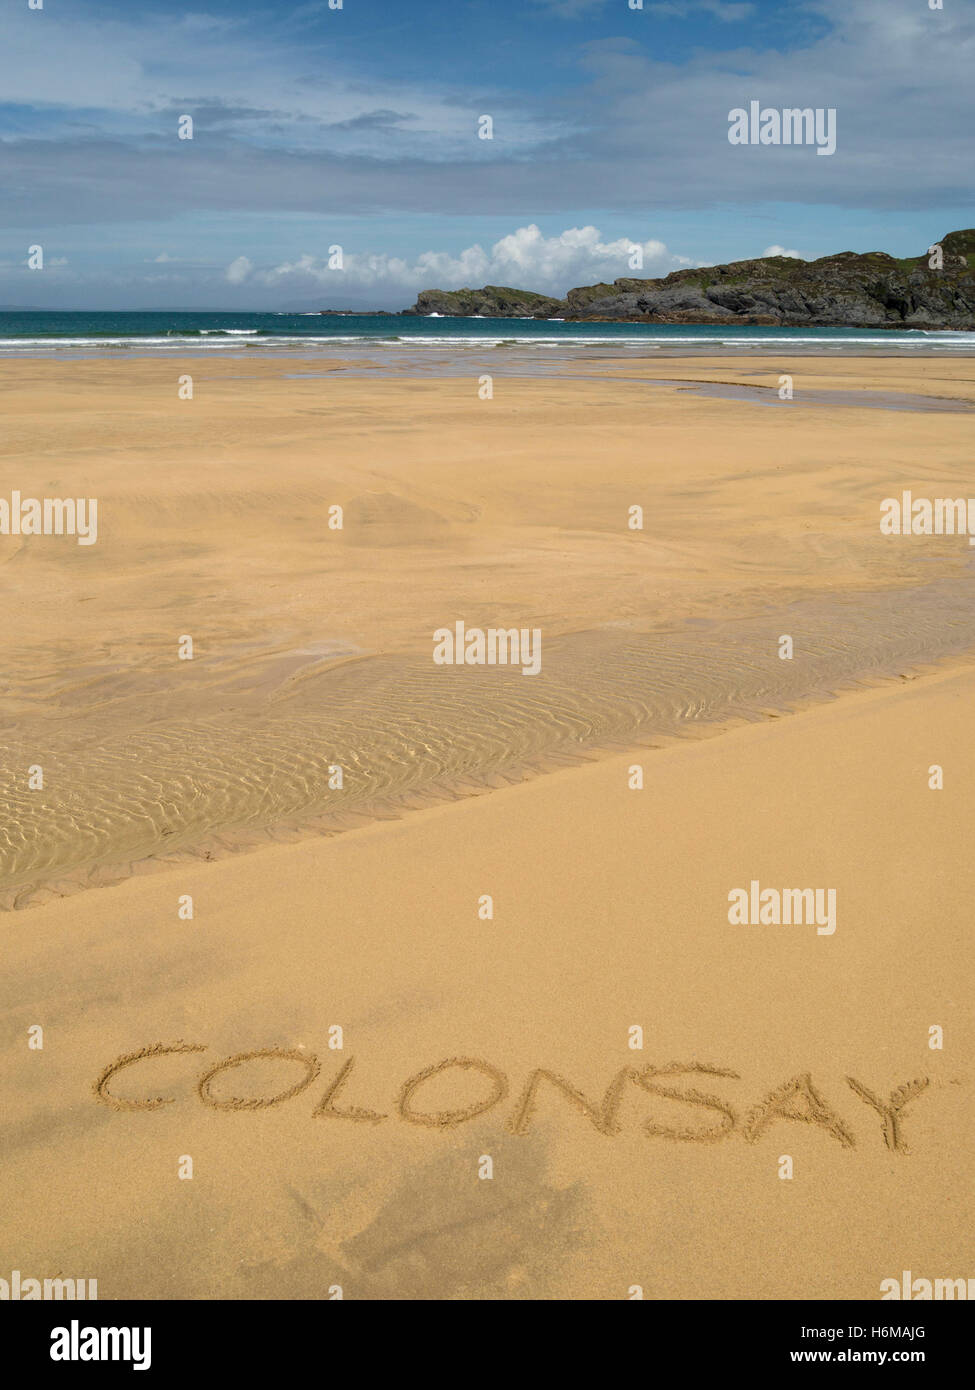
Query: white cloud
[[238, 270], [525, 259], [781, 251]]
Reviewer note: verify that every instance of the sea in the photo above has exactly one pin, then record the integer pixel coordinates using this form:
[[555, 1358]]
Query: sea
[[398, 341]]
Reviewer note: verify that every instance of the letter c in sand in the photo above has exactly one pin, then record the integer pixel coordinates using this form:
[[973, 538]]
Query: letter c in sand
[[129, 1059]]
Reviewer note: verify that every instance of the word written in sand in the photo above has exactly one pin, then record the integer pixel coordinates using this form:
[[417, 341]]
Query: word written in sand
[[50, 516], [496, 646], [716, 1118], [922, 516], [755, 906]]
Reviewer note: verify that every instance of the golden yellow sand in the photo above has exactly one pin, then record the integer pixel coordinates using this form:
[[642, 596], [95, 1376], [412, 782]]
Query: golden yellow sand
[[213, 512], [610, 911], [313, 648]]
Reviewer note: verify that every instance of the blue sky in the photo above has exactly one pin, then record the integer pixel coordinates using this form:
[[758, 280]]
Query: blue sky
[[357, 127]]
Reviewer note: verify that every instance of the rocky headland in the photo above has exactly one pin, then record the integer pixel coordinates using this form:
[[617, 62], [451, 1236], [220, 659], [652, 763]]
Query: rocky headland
[[847, 290]]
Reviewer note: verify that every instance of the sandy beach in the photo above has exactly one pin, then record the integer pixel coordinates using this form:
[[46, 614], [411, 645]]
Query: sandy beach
[[312, 646], [485, 880]]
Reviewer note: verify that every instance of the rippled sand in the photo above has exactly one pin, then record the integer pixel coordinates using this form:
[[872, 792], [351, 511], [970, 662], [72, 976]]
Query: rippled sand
[[313, 647], [404, 731]]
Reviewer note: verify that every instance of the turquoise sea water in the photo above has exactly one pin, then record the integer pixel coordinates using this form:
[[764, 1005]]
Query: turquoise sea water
[[35, 333]]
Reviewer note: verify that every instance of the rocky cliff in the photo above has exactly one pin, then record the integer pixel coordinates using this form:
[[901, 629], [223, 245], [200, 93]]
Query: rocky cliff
[[494, 301], [846, 290]]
